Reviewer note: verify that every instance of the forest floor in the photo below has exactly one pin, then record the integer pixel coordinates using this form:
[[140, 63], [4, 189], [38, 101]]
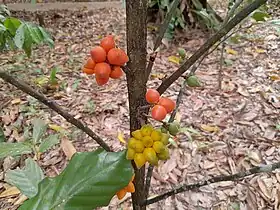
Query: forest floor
[[231, 129]]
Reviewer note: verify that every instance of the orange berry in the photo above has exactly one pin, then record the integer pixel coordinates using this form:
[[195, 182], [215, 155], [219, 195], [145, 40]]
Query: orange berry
[[167, 103], [88, 71], [121, 193], [103, 70], [130, 187], [101, 81], [158, 112], [116, 72], [98, 54], [152, 96], [117, 57], [90, 64], [108, 43]]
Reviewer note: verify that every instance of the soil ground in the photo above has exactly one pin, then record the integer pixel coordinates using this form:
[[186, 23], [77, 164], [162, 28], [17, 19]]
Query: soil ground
[[235, 125]]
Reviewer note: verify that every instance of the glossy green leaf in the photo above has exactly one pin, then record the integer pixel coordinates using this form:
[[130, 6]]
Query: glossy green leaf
[[20, 36], [2, 136], [47, 37], [12, 24], [27, 179], [39, 129], [90, 180], [29, 34], [14, 149], [48, 143], [36, 34]]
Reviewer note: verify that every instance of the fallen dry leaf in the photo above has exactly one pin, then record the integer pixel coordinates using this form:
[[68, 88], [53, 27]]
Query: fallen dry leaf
[[210, 128], [68, 148], [10, 191]]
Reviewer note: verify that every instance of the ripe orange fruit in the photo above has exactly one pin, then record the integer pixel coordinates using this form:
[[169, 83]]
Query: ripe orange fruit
[[152, 96], [121, 193], [167, 103], [98, 54], [88, 71], [130, 187], [116, 72], [158, 112], [90, 64], [101, 81], [108, 43], [117, 57], [102, 70]]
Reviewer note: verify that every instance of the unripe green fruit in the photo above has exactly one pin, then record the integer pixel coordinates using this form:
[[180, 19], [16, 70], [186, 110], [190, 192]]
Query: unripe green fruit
[[156, 135], [146, 130], [150, 156], [165, 138], [130, 154], [139, 160], [193, 81], [147, 141], [132, 143], [158, 146], [164, 155], [137, 134], [164, 130], [182, 52], [174, 128]]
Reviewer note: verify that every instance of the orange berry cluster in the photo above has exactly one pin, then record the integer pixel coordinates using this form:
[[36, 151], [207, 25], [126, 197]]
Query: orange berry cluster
[[106, 61], [147, 145], [129, 188], [163, 105]]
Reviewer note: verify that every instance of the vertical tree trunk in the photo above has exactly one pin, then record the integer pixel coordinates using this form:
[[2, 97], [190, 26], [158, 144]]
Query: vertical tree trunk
[[136, 20]]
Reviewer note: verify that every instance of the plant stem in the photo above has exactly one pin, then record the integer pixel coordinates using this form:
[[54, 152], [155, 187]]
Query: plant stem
[[54, 106], [136, 32], [233, 177]]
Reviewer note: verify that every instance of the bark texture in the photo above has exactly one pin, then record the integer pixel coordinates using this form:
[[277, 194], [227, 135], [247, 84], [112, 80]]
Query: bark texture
[[136, 28]]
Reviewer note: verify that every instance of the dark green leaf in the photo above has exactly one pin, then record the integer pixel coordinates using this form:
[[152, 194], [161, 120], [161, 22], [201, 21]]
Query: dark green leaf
[[36, 34], [12, 24], [27, 179], [2, 136], [47, 37], [49, 142], [20, 36], [14, 149], [90, 180], [39, 129]]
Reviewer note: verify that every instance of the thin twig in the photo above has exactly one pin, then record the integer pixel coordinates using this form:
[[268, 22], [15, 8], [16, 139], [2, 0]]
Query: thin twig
[[231, 11], [54, 106], [220, 73], [209, 43], [162, 30], [234, 177], [171, 119]]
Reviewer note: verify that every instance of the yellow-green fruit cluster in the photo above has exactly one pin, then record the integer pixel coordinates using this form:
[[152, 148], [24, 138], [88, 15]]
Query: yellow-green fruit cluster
[[147, 145]]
